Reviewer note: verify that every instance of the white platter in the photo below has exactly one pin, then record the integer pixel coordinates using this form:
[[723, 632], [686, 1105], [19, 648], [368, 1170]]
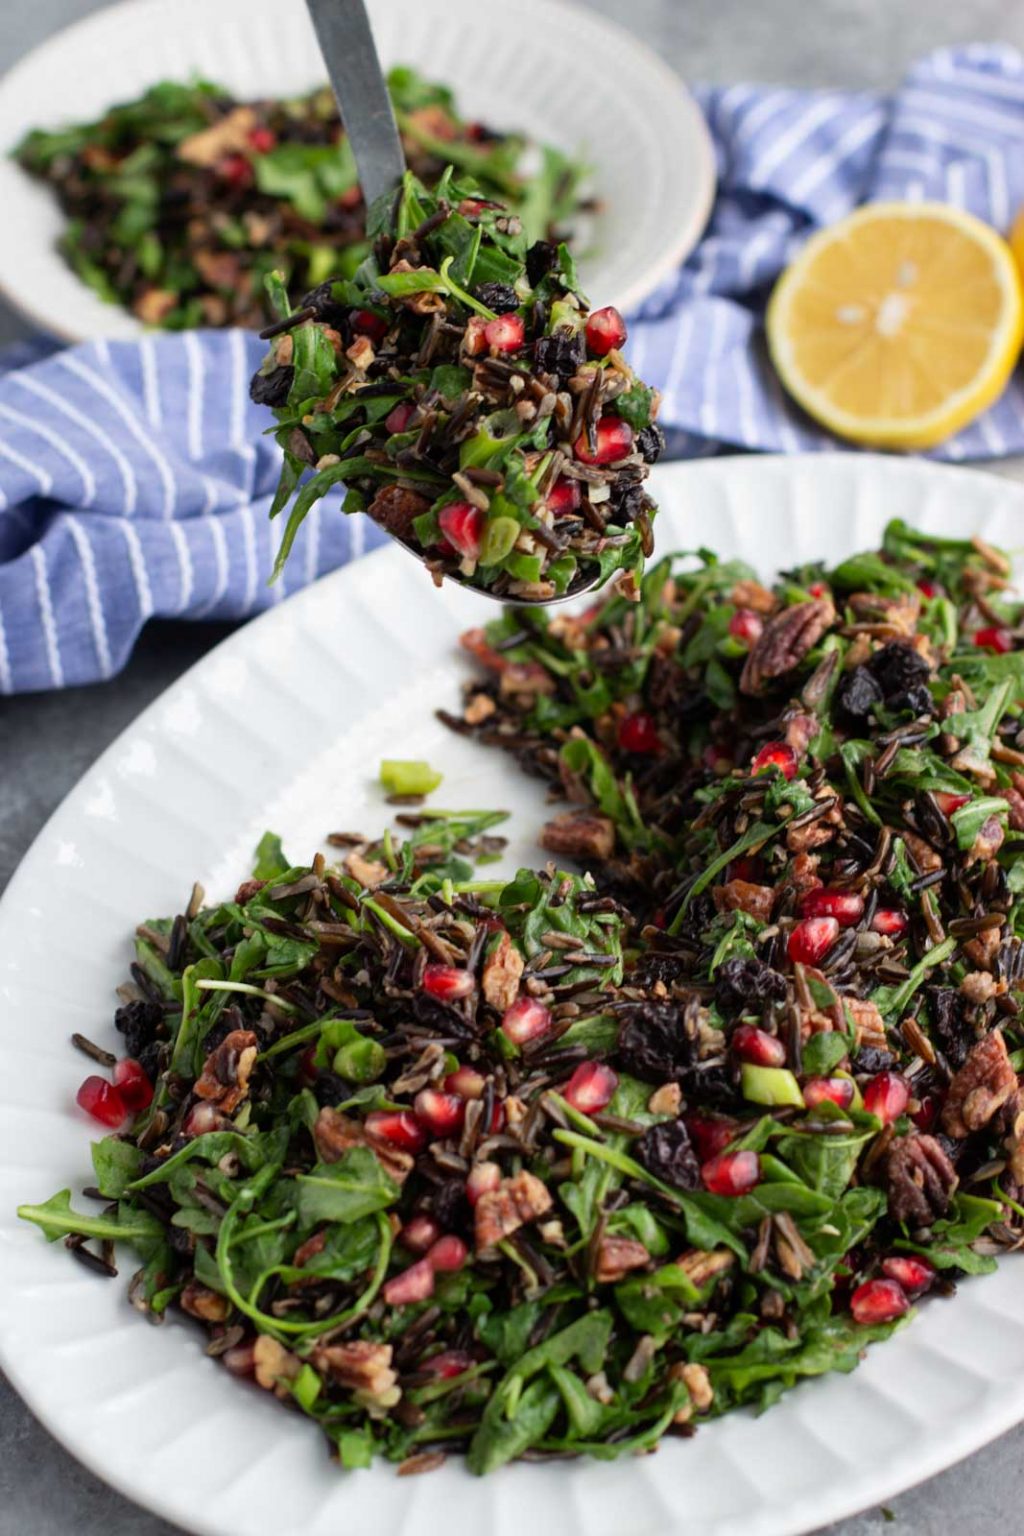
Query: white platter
[[562, 74], [283, 726]]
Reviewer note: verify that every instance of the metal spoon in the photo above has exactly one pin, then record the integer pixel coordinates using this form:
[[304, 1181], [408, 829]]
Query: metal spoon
[[353, 68]]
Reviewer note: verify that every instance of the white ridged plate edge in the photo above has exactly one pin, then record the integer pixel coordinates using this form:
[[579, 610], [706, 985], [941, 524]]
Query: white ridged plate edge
[[562, 74], [283, 725]]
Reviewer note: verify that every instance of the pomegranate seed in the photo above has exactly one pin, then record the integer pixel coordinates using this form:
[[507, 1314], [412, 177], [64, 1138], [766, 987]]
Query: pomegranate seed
[[994, 638], [812, 939], [925, 1115], [752, 1044], [471, 207], [776, 754], [844, 906], [447, 982], [564, 496], [638, 733], [660, 920], [463, 527], [614, 442], [397, 1126], [948, 803], [818, 588], [450, 1362], [525, 1020], [927, 588], [886, 1096], [448, 1254], [366, 323], [399, 416], [591, 1087], [262, 140], [481, 1180], [203, 1118], [420, 1233], [890, 921], [506, 333], [441, 1113], [351, 198], [475, 642], [133, 1085], [732, 1173], [746, 868], [466, 1083], [308, 1069], [834, 1090], [414, 1284], [236, 170], [878, 1301], [709, 1135], [102, 1100], [605, 330], [746, 625], [914, 1274]]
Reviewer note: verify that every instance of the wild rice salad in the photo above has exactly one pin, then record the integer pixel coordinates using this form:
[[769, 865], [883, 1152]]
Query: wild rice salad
[[470, 401], [565, 1164], [181, 202]]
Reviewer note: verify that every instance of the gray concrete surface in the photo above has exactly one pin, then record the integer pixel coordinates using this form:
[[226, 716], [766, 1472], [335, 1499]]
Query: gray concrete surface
[[47, 741]]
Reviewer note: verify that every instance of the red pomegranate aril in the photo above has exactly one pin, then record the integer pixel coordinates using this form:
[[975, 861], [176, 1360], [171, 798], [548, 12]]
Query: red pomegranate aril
[[746, 625], [414, 1284], [398, 1126], [709, 1135], [399, 416], [308, 1069], [811, 940], [448, 1254], [591, 1087], [638, 733], [927, 588], [732, 1173], [506, 333], [948, 802], [475, 642], [419, 1234], [614, 442], [890, 921], [102, 1100], [757, 1046], [263, 140], [449, 1363], [463, 527], [236, 170], [886, 1096], [818, 589], [564, 496], [845, 906], [133, 1085], [447, 983], [833, 1090], [776, 754], [366, 323], [994, 638], [925, 1115], [526, 1020], [441, 1113], [878, 1301], [746, 868], [605, 330], [466, 1083], [482, 1179], [910, 1271]]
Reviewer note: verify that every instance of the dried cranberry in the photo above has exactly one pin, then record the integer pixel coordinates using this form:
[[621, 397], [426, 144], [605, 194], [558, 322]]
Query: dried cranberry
[[653, 1043], [743, 983], [950, 1023], [869, 1060], [560, 354], [650, 443], [857, 695], [902, 674], [272, 388], [501, 297], [541, 258], [666, 1151], [326, 307], [140, 1023]]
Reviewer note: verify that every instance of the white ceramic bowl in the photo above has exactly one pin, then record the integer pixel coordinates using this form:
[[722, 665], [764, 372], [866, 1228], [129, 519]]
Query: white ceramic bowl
[[562, 74]]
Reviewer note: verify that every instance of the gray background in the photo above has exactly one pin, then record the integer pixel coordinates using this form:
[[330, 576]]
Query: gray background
[[47, 741]]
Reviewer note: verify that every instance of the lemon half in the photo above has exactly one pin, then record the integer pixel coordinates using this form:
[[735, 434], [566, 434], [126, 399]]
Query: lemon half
[[898, 325]]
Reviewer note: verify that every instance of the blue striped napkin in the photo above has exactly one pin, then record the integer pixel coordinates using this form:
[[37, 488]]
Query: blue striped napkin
[[135, 479]]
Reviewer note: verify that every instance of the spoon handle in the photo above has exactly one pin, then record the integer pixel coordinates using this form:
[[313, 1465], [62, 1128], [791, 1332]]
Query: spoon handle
[[346, 41]]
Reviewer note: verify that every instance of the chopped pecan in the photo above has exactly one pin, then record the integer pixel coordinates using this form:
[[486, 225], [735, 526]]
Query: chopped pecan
[[1015, 800], [785, 641], [921, 1180], [704, 1264], [395, 509], [580, 835], [502, 1211], [616, 1256], [988, 842], [803, 873], [984, 1083], [220, 269], [745, 896], [800, 730], [501, 974], [751, 594], [273, 1363], [868, 1023], [310, 1248], [978, 987], [247, 890], [982, 950], [478, 709], [230, 135], [199, 1301], [359, 1366], [224, 1080], [697, 1382], [666, 1100], [896, 614], [154, 305], [360, 354], [369, 872], [526, 678], [334, 1134], [927, 859]]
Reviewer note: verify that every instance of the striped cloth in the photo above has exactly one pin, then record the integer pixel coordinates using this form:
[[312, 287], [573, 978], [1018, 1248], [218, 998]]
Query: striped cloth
[[135, 479]]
